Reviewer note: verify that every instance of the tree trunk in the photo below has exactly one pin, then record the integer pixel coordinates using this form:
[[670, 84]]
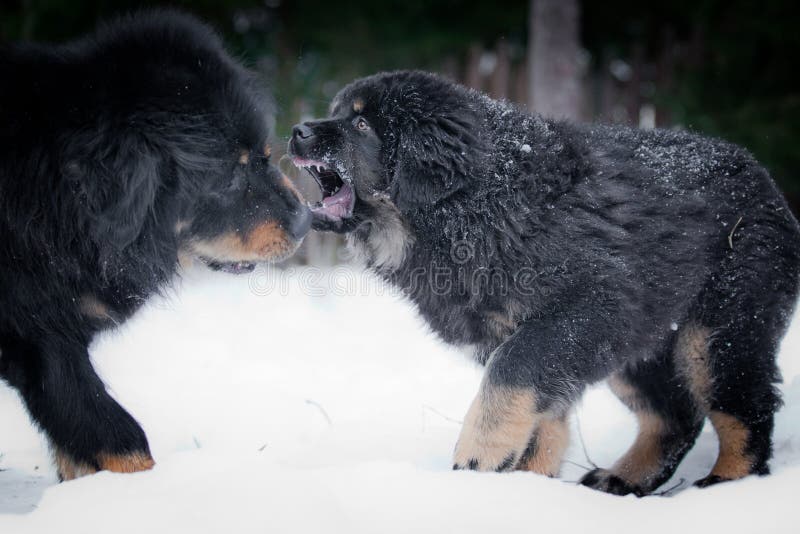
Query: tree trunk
[[554, 58], [501, 77]]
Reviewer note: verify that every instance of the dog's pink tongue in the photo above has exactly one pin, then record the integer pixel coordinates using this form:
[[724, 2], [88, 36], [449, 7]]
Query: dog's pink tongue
[[338, 205]]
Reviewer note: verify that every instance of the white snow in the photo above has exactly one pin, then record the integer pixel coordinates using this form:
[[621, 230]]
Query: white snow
[[309, 401]]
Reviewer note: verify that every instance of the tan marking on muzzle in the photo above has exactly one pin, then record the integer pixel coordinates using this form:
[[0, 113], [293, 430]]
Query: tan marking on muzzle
[[244, 157], [265, 241], [733, 461]]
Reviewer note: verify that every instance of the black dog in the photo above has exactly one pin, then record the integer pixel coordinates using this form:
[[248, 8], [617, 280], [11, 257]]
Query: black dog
[[566, 254], [118, 153]]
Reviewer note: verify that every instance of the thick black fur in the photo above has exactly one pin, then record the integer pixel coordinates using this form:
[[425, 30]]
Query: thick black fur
[[564, 253], [118, 152]]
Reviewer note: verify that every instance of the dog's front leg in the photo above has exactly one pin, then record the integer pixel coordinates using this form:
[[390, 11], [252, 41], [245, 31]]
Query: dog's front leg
[[518, 418], [87, 429]]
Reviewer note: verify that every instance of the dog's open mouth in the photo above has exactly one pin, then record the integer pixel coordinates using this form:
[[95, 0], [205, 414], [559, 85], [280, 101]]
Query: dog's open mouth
[[233, 267], [338, 197]]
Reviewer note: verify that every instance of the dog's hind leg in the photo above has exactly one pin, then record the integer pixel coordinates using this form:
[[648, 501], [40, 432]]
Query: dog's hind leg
[[669, 421], [88, 430], [744, 310], [748, 308]]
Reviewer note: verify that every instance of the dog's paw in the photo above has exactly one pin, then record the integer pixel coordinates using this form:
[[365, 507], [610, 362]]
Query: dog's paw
[[710, 480], [606, 481], [485, 458], [126, 463], [496, 433], [69, 469], [490, 447]]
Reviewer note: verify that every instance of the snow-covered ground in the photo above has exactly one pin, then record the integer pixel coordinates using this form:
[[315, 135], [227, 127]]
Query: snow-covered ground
[[316, 401]]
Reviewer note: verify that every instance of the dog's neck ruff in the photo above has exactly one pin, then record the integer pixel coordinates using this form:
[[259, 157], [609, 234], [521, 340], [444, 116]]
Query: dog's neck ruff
[[384, 243]]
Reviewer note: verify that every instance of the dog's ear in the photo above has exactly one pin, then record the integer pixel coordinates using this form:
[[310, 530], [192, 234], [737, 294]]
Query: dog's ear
[[435, 157], [116, 181]]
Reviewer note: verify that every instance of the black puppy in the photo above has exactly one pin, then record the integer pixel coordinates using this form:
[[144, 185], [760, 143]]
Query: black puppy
[[567, 254], [118, 153]]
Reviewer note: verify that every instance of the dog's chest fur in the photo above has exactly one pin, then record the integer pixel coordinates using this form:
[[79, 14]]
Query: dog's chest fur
[[383, 243]]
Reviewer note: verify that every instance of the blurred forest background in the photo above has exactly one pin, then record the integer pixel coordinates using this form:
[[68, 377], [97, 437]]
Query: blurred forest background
[[727, 68]]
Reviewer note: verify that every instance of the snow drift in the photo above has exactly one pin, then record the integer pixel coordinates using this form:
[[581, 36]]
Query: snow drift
[[316, 401]]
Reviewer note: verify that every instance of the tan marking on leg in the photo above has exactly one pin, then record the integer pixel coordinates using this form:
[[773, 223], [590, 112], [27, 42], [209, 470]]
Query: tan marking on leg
[[358, 105], [693, 363], [499, 423], [244, 157], [267, 150], [643, 459], [128, 463], [628, 394], [68, 468], [552, 440], [733, 461]]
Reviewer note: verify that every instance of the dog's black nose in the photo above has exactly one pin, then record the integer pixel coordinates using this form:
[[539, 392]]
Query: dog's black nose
[[302, 131], [300, 224]]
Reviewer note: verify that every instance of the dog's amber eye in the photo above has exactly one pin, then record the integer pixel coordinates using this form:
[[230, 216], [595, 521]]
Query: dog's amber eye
[[361, 124]]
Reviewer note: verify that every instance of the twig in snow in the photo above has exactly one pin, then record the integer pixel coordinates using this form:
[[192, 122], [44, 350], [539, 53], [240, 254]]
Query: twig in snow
[[196, 442], [576, 464], [583, 443], [667, 491], [321, 409], [730, 236], [261, 449], [440, 414]]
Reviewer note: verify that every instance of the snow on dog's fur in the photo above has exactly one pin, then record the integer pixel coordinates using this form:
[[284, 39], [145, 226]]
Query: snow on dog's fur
[[568, 254]]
